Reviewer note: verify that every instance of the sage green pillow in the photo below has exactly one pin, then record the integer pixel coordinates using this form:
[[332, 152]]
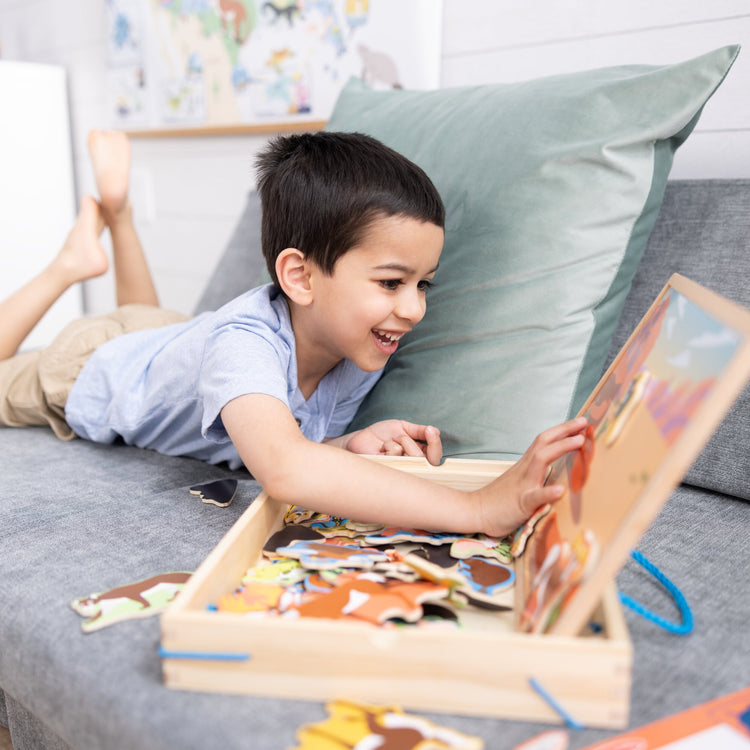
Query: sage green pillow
[[551, 188]]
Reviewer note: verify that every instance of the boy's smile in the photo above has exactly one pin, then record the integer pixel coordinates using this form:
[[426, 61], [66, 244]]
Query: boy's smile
[[388, 342], [375, 295]]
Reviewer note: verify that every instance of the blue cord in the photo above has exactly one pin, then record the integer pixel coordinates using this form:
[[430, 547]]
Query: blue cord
[[683, 628], [554, 705]]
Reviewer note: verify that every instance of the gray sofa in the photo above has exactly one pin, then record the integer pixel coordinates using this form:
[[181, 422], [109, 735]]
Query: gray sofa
[[79, 517]]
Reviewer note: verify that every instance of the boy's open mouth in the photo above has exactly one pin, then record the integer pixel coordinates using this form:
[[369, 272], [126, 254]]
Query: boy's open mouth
[[387, 341]]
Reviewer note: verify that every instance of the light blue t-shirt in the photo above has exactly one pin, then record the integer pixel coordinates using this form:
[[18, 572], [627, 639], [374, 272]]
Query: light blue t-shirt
[[164, 388]]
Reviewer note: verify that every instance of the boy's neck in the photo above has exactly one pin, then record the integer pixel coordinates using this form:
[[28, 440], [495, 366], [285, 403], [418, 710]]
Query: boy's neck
[[312, 364]]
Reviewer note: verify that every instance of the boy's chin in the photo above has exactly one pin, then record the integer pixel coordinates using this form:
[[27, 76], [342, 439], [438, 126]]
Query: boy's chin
[[373, 364]]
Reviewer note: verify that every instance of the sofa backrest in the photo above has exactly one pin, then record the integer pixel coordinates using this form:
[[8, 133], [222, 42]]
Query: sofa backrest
[[703, 232]]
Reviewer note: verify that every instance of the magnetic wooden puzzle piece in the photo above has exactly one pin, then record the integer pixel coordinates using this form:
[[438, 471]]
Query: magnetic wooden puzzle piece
[[332, 529], [386, 605], [465, 597], [317, 555], [373, 601], [435, 611], [358, 541], [543, 565], [337, 575], [341, 600], [140, 599], [298, 515], [317, 582], [395, 534], [353, 725], [324, 581], [524, 532], [434, 615], [283, 571], [291, 599], [485, 577], [440, 555], [220, 492], [397, 571], [565, 565], [364, 528], [482, 545], [251, 597], [430, 571], [289, 534], [295, 514]]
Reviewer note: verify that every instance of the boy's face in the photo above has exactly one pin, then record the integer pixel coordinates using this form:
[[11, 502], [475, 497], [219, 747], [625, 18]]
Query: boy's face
[[376, 293]]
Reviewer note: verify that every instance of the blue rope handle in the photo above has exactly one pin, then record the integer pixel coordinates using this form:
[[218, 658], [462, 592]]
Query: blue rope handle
[[683, 628]]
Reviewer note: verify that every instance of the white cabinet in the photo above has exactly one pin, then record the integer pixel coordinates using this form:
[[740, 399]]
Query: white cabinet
[[37, 186]]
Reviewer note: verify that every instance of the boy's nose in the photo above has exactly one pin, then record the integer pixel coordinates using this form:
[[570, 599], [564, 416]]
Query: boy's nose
[[411, 306]]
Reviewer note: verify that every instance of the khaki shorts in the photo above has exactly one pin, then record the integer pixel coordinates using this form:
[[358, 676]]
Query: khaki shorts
[[34, 386]]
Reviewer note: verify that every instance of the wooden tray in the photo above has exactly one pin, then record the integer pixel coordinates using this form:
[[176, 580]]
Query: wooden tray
[[483, 668]]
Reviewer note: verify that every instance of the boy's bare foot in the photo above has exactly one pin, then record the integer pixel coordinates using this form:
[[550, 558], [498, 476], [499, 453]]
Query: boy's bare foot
[[81, 256], [110, 158]]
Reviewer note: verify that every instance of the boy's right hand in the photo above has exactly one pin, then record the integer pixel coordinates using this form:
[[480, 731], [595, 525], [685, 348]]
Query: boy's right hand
[[512, 498]]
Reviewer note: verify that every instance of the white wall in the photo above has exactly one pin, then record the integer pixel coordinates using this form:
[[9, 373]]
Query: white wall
[[188, 192]]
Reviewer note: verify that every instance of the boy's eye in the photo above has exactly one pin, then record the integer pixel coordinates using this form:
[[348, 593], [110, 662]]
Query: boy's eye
[[392, 284]]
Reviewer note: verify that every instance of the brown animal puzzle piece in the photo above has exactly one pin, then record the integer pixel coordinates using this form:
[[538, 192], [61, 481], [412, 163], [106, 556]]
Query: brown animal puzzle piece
[[220, 492], [353, 725], [140, 599]]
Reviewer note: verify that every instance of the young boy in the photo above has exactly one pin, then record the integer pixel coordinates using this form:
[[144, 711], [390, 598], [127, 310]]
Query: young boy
[[352, 234]]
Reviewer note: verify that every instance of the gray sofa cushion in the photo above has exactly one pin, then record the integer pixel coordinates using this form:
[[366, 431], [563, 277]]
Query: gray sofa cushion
[[702, 232], [80, 517]]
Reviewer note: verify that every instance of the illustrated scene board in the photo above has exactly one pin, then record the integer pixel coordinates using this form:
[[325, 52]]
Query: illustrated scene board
[[650, 415]]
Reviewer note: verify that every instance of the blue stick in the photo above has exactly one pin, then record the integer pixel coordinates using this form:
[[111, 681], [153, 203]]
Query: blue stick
[[554, 705]]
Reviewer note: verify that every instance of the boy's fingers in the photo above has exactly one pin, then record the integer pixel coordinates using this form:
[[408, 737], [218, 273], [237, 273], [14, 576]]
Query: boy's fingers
[[410, 448], [429, 447], [569, 428], [552, 452], [535, 498], [392, 447], [426, 438], [434, 450], [415, 431]]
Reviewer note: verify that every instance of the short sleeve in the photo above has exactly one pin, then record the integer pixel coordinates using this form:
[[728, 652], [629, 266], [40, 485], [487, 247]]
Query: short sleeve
[[236, 361]]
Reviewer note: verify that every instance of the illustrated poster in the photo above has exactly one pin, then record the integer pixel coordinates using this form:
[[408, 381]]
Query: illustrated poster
[[226, 63]]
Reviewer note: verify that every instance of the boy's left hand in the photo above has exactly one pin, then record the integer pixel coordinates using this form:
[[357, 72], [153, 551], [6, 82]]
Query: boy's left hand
[[394, 437]]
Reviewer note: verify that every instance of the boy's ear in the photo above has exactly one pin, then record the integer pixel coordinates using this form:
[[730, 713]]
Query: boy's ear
[[293, 273]]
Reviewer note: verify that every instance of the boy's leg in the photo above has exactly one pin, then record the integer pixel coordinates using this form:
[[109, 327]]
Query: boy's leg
[[110, 157], [81, 257]]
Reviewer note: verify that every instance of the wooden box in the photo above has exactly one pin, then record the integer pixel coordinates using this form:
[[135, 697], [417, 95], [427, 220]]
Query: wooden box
[[483, 668]]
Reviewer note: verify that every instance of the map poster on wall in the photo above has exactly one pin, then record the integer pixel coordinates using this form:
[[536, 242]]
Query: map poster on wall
[[252, 64]]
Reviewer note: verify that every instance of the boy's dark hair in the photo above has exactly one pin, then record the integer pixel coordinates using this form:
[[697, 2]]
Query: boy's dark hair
[[321, 191]]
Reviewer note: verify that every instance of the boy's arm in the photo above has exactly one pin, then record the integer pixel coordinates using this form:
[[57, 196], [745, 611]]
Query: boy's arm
[[295, 470]]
